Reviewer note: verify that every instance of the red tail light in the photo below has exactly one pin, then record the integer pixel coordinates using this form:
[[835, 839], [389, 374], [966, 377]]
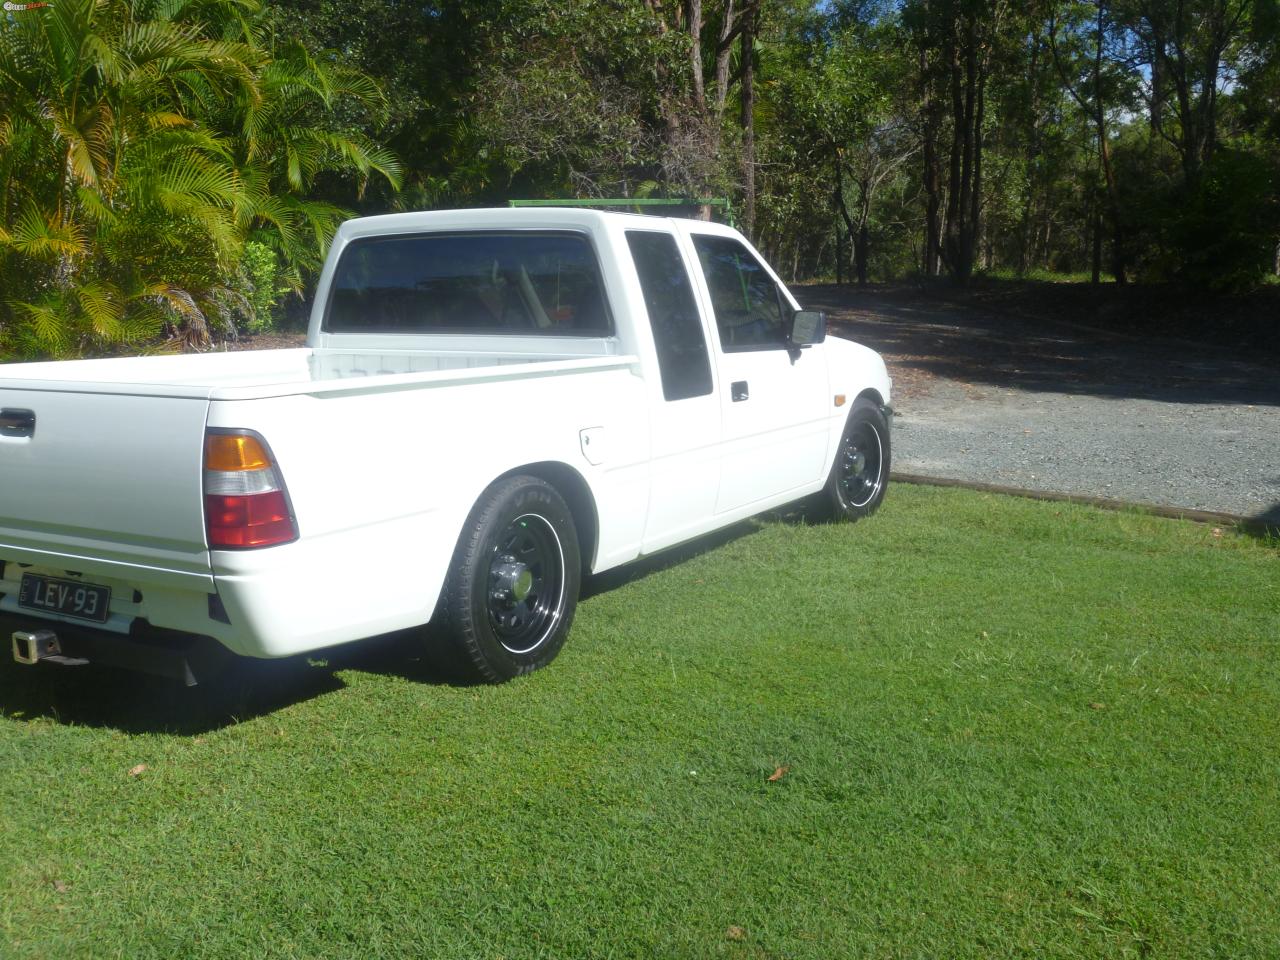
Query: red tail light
[[244, 496]]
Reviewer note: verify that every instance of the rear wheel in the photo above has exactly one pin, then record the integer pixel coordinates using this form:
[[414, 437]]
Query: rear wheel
[[860, 473], [513, 586]]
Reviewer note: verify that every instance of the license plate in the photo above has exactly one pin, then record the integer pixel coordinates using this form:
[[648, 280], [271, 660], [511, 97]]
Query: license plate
[[84, 601]]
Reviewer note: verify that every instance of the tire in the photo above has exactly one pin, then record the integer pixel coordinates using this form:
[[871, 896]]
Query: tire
[[512, 589], [860, 473]]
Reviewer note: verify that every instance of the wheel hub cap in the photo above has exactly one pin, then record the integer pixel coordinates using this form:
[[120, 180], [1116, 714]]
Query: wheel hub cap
[[512, 580], [524, 583]]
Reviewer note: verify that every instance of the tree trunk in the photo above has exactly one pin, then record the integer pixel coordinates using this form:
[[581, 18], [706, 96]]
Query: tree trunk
[[1104, 149], [723, 49], [1025, 235], [1096, 277], [693, 20], [1157, 80], [964, 194], [979, 116], [932, 179], [955, 160], [748, 122], [1025, 238], [841, 207], [861, 246]]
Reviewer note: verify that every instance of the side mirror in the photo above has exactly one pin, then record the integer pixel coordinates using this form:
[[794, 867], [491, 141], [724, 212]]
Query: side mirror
[[807, 327]]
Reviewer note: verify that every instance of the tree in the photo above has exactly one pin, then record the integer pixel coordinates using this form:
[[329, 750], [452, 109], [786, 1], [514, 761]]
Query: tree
[[142, 145], [285, 139], [1084, 65], [99, 155], [843, 96], [693, 115], [1193, 47], [568, 100], [961, 40]]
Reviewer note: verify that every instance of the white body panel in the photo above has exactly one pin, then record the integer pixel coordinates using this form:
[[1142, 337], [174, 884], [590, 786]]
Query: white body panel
[[385, 442]]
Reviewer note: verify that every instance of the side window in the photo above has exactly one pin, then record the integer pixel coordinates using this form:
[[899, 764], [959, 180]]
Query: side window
[[673, 315], [750, 310]]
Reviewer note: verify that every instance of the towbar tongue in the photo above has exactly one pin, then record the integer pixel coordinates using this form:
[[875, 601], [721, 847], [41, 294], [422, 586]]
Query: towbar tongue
[[33, 646], [30, 647]]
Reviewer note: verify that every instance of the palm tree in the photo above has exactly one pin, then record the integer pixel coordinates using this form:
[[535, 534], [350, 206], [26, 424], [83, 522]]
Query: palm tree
[[286, 137], [141, 143]]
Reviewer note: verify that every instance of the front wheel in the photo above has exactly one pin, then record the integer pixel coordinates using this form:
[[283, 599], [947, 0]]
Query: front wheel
[[512, 589], [860, 474]]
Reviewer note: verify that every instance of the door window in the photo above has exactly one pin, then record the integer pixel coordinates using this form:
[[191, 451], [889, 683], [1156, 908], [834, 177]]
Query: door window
[[750, 310], [673, 315]]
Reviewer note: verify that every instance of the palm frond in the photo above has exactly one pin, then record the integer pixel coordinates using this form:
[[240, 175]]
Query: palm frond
[[102, 307], [45, 323], [95, 208], [42, 237], [167, 120]]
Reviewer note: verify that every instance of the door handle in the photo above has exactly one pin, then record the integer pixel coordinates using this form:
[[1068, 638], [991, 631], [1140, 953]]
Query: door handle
[[738, 390], [17, 423]]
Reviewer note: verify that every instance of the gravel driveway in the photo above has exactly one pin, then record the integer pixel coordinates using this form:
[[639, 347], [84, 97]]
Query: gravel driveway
[[999, 399]]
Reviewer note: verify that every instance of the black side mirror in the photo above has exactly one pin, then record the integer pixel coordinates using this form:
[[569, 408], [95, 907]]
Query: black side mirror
[[807, 327]]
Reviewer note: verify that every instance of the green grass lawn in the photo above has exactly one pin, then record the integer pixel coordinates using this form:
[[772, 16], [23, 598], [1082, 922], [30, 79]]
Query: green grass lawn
[[1011, 728]]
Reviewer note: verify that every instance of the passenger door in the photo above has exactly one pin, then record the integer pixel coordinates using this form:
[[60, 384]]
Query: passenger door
[[685, 468], [773, 400]]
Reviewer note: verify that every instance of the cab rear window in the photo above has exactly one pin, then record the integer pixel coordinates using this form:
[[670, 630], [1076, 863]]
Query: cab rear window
[[526, 283]]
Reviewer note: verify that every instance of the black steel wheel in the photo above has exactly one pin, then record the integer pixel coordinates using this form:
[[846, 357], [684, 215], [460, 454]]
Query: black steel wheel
[[526, 583], [511, 592], [860, 474]]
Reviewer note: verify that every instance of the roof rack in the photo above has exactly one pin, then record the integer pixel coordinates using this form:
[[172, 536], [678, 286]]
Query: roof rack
[[638, 203]]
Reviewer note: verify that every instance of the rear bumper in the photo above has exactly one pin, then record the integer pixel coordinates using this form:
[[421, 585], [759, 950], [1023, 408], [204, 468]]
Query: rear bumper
[[268, 603], [184, 657]]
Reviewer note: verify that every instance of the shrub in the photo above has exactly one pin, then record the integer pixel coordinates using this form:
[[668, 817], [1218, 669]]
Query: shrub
[[1226, 231], [260, 283]]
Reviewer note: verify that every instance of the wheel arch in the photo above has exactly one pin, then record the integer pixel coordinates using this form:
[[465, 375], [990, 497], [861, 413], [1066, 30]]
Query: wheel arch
[[577, 494], [872, 394]]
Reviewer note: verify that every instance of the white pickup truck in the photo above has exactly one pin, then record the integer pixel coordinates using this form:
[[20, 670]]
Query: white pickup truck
[[490, 404]]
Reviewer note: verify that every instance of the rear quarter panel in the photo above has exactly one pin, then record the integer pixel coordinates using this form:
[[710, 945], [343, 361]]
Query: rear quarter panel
[[382, 481]]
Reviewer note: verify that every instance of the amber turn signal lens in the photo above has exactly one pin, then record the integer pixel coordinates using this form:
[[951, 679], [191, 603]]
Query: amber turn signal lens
[[225, 451], [839, 399]]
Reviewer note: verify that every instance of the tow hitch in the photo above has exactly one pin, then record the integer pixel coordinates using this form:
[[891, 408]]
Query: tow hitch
[[165, 653], [32, 647]]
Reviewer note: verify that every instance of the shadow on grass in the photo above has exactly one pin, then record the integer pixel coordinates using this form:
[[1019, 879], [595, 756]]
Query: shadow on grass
[[646, 566], [136, 703], [94, 696]]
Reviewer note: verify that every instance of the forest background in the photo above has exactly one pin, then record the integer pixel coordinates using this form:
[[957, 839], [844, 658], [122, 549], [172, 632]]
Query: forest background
[[171, 171]]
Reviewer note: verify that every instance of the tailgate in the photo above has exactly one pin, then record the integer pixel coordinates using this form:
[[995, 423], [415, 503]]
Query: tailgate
[[110, 479]]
